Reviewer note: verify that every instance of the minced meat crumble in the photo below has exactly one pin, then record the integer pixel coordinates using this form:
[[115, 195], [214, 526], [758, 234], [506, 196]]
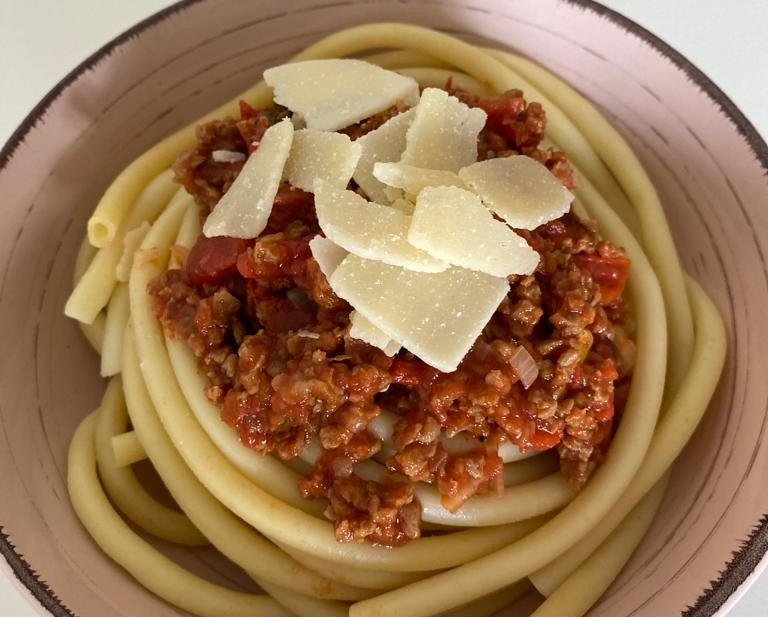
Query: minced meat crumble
[[272, 340]]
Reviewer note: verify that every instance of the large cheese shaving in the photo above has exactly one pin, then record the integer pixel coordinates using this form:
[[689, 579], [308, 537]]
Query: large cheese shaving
[[413, 179], [333, 94], [327, 254], [369, 229], [436, 316], [444, 132], [244, 209], [330, 157], [453, 225], [383, 144], [519, 189], [365, 331], [328, 257]]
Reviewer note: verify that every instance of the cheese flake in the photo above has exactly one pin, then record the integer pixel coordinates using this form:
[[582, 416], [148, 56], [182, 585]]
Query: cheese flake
[[365, 331], [413, 179], [327, 254], [383, 144], [333, 94], [331, 157], [436, 316], [243, 210], [369, 229], [444, 132], [519, 189], [453, 225]]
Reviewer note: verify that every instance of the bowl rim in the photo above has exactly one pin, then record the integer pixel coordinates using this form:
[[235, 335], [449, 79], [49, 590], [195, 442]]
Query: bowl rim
[[746, 563]]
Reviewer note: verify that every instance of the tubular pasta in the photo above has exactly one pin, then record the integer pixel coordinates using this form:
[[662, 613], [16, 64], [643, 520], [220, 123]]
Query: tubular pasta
[[248, 506]]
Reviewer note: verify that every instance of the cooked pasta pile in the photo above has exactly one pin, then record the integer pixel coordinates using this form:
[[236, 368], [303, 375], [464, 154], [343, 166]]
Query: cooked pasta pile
[[247, 505]]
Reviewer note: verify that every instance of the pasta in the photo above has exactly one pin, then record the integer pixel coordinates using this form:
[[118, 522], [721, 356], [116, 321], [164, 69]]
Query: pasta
[[249, 507]]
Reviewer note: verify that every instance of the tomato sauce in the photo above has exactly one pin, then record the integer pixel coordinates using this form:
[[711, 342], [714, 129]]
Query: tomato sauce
[[272, 340]]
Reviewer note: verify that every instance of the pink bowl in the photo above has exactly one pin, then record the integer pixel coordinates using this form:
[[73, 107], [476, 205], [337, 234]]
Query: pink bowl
[[707, 161]]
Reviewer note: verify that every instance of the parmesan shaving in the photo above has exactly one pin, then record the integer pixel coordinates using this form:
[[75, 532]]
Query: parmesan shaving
[[436, 316], [413, 179], [365, 331], [333, 94], [453, 225], [444, 132], [383, 144], [244, 209], [519, 189], [131, 243], [369, 230], [327, 254], [331, 157]]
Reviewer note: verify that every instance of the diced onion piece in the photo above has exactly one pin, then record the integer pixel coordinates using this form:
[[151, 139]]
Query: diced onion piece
[[413, 179], [227, 156], [436, 316], [331, 157], [327, 254], [519, 189], [524, 365], [404, 206], [369, 230], [453, 225], [383, 144], [307, 334], [244, 209], [332, 94], [444, 132], [365, 331]]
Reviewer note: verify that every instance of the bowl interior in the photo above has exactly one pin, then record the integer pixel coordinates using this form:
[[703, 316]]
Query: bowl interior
[[707, 166]]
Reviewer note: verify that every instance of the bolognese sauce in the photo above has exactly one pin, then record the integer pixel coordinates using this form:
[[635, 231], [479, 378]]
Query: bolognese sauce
[[272, 339]]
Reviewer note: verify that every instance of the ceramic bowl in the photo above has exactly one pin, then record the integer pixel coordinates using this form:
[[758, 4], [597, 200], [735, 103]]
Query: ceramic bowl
[[706, 160]]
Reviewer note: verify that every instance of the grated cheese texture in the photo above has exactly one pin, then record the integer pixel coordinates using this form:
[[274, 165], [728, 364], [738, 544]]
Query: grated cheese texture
[[327, 254], [383, 144], [413, 179], [365, 331], [369, 229], [452, 224], [333, 94], [519, 189], [243, 210], [330, 157], [444, 132], [436, 316]]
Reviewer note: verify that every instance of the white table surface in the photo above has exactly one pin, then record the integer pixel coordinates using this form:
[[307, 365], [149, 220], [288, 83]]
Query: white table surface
[[42, 40]]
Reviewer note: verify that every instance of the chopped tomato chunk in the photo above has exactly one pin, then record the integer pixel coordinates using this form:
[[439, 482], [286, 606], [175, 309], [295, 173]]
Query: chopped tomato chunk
[[291, 204], [610, 272], [412, 372], [213, 259]]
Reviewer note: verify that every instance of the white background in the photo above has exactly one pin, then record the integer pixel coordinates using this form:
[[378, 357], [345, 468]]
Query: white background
[[42, 40]]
